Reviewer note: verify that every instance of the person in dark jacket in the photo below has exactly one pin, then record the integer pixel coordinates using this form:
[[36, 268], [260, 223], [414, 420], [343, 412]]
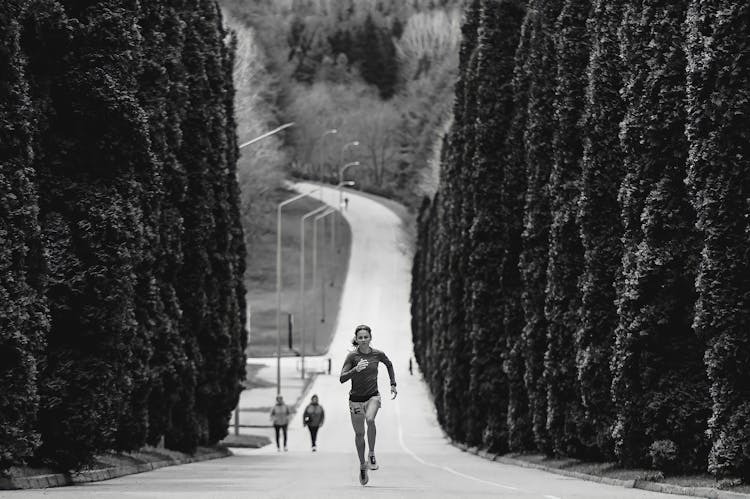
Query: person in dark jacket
[[313, 418]]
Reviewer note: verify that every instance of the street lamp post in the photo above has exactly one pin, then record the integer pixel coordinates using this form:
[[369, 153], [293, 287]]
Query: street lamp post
[[341, 184], [267, 134], [278, 282], [346, 146], [302, 321], [332, 130], [341, 177], [315, 273]]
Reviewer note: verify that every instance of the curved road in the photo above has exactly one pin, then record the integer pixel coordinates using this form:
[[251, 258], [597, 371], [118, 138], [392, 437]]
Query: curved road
[[415, 459]]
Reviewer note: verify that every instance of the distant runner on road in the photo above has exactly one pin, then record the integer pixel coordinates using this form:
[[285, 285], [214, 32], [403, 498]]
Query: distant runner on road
[[361, 366]]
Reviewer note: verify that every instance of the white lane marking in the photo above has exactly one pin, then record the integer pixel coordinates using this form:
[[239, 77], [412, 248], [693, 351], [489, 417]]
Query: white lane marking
[[445, 468], [552, 497]]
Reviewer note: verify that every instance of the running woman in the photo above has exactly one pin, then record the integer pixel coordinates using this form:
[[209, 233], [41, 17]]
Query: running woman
[[361, 366]]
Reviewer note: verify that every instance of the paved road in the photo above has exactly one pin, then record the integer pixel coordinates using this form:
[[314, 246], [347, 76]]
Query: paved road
[[415, 460]]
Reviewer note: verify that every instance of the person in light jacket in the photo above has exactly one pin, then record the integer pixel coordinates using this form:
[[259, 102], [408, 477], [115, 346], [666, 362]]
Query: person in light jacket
[[280, 418], [313, 418]]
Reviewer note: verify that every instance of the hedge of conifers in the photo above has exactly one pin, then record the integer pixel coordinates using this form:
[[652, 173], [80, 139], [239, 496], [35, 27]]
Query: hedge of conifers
[[581, 284], [122, 305]]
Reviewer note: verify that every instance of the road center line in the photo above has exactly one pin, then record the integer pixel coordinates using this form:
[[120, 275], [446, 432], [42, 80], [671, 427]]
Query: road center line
[[445, 468]]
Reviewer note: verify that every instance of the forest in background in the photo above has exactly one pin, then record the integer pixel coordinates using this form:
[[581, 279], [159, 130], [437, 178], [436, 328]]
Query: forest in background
[[581, 285], [379, 72]]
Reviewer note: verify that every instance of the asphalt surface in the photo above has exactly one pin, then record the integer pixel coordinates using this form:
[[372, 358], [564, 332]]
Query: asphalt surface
[[415, 459]]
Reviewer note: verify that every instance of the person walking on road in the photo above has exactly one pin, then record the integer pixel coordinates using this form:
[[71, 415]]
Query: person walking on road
[[280, 417], [313, 418], [361, 366]]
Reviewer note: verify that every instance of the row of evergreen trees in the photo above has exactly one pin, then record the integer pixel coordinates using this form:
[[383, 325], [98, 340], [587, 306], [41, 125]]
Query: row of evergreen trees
[[581, 285], [122, 304]]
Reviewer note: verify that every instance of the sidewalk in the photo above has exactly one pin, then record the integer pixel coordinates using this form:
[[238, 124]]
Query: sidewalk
[[255, 403]]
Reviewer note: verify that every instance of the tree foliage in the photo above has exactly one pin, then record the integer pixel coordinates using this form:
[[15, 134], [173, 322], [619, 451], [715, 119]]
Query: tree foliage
[[565, 418], [606, 276], [96, 218], [719, 105], [492, 366], [599, 220], [91, 221], [659, 382], [23, 312], [537, 139]]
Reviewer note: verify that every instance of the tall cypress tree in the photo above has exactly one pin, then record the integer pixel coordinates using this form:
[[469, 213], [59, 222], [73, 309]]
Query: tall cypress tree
[[189, 427], [718, 111], [498, 34], [463, 134], [455, 361], [539, 158], [210, 294], [599, 219], [563, 302], [214, 334], [512, 189], [438, 313], [93, 138], [23, 313], [157, 305], [455, 187], [659, 386], [224, 345], [418, 294], [163, 92], [429, 332], [238, 319], [523, 370], [133, 426]]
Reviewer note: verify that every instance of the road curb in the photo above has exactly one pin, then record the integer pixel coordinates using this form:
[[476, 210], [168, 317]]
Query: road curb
[[666, 488], [63, 479]]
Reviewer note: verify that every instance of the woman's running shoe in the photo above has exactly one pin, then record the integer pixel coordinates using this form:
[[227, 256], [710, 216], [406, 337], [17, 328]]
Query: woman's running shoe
[[363, 478]]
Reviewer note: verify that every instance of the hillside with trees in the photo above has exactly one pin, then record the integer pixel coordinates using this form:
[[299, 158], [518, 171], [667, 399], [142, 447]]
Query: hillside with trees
[[599, 194], [380, 73]]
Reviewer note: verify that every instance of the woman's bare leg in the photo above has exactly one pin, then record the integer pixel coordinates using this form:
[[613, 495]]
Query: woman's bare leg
[[371, 411], [358, 423]]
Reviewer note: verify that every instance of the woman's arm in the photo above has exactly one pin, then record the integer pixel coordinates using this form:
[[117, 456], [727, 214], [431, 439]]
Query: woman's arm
[[389, 365], [347, 370], [385, 360]]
